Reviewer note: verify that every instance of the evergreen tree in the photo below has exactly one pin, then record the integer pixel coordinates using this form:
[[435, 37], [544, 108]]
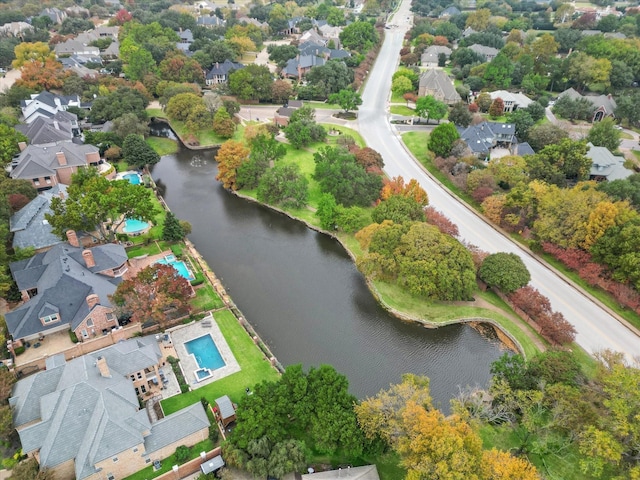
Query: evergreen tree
[[172, 230]]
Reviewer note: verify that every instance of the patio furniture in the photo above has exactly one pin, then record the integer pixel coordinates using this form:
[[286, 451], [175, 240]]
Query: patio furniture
[[36, 345]]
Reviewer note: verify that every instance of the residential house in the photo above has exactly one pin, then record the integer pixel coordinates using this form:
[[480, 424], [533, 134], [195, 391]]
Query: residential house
[[292, 26], [248, 20], [314, 37], [297, 67], [44, 130], [29, 226], [67, 287], [47, 104], [210, 21], [437, 83], [72, 46], [431, 56], [468, 32], [366, 472], [220, 72], [186, 39], [111, 52], [485, 136], [606, 165], [310, 48], [48, 165], [604, 105], [488, 53], [14, 29], [56, 15], [98, 33], [512, 101], [451, 11], [523, 149], [81, 418], [283, 114], [331, 34], [76, 64]]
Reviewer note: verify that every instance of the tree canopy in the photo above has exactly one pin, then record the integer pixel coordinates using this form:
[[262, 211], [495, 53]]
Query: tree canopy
[[505, 271]]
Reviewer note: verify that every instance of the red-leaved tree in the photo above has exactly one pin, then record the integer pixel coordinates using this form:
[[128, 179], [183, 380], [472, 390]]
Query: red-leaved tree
[[437, 219], [155, 293]]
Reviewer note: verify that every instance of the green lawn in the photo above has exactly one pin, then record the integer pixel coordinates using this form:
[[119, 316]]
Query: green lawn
[[636, 153], [153, 248], [402, 110], [156, 112], [332, 140], [162, 146], [205, 137], [206, 299], [443, 312], [323, 105], [254, 368], [168, 463], [396, 98]]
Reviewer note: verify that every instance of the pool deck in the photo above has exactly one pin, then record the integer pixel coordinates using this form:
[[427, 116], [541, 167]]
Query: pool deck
[[183, 333]]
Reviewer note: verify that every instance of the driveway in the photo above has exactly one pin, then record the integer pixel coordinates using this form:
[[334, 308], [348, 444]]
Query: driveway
[[9, 79]]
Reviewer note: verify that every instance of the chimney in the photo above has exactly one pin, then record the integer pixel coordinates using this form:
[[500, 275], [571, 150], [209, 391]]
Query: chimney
[[72, 238], [101, 363], [62, 160], [22, 146], [88, 258], [92, 300]]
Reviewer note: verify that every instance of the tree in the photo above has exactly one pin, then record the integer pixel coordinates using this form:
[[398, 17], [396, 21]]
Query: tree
[[152, 293], [30, 470], [338, 173], [505, 271], [397, 186], [585, 69], [523, 122], [177, 67], [499, 71], [604, 134], [497, 108], [442, 138], [578, 109], [371, 160], [172, 230], [558, 163], [9, 139], [96, 204], [37, 53], [223, 125], [281, 91], [460, 115], [347, 99], [117, 103], [251, 83], [428, 107], [128, 124], [442, 223], [179, 106], [398, 209], [539, 136], [401, 85], [358, 36], [280, 54], [138, 153], [284, 185], [329, 78], [199, 118], [303, 129], [628, 106], [327, 211], [46, 75], [484, 102], [479, 20], [230, 156], [140, 63]]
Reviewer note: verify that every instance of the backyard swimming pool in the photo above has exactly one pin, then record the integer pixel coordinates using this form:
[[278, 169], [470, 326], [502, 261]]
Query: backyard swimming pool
[[179, 265], [205, 352], [132, 225], [134, 178]]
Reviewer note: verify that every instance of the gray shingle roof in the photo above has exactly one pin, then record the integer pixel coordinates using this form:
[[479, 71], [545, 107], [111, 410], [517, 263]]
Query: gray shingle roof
[[438, 81], [178, 425], [223, 68], [484, 50], [83, 416], [225, 406], [303, 61], [46, 130], [606, 164], [62, 280], [40, 160]]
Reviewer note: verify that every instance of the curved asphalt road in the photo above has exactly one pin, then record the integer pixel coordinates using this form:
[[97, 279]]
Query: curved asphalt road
[[597, 329]]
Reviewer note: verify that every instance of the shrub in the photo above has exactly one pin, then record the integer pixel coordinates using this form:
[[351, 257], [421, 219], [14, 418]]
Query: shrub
[[73, 336], [19, 350], [214, 432], [505, 271], [182, 454]]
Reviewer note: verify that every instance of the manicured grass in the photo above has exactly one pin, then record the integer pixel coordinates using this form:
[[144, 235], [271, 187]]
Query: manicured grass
[[168, 463], [332, 140], [626, 136], [156, 112], [552, 464], [158, 220], [396, 98], [442, 312], [206, 299], [636, 153], [205, 137], [162, 146], [152, 248], [402, 110], [323, 105], [254, 368]]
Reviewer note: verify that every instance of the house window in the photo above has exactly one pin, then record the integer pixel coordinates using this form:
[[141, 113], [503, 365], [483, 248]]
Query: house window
[[139, 375], [47, 180], [115, 459], [135, 449], [84, 334], [133, 377], [137, 391], [36, 182], [89, 322], [143, 388], [50, 318]]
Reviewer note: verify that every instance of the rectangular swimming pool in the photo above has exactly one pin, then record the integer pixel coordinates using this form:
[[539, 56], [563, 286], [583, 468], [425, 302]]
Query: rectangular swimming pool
[[205, 352], [179, 265]]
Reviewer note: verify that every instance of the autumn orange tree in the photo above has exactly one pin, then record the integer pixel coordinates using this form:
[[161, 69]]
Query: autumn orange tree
[[430, 445], [396, 186], [152, 293], [230, 156], [42, 75]]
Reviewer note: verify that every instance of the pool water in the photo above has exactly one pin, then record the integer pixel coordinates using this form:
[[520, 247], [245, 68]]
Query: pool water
[[205, 351], [134, 178], [132, 225], [179, 265]]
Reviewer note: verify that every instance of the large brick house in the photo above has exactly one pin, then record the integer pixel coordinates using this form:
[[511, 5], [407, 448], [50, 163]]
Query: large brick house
[[67, 287], [81, 419], [50, 164]]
